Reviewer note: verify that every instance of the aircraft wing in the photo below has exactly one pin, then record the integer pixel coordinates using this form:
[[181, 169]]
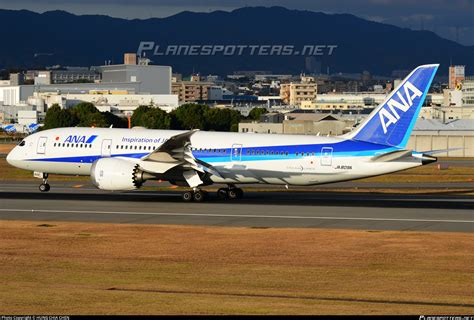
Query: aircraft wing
[[176, 152]]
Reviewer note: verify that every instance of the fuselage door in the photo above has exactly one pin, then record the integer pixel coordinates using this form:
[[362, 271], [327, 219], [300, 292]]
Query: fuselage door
[[326, 156], [106, 148], [41, 148], [236, 153]]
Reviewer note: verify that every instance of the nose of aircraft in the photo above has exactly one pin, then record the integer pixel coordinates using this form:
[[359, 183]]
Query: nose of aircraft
[[11, 156]]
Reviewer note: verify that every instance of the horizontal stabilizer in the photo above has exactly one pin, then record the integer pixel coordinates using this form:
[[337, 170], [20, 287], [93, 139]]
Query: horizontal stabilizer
[[441, 150], [391, 156]]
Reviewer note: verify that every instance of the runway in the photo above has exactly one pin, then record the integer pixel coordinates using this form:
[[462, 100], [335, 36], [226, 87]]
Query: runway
[[334, 210]]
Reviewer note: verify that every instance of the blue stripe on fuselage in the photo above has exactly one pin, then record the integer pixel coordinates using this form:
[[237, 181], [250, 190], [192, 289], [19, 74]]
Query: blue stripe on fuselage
[[347, 148]]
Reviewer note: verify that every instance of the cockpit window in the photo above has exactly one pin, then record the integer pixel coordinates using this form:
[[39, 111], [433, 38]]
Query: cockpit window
[[22, 143]]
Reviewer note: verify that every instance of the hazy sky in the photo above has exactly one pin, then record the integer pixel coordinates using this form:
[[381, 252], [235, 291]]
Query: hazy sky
[[452, 19]]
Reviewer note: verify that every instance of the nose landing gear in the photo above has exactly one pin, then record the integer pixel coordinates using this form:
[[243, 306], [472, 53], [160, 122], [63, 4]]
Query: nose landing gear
[[44, 187]]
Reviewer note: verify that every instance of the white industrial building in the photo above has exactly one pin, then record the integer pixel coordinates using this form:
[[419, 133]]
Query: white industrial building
[[435, 135], [122, 90]]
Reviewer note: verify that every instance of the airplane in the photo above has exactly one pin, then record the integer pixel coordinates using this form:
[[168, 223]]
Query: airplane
[[123, 159], [10, 128]]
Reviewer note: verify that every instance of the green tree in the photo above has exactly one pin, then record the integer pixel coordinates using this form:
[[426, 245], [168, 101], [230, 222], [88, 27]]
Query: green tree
[[96, 119], [255, 113], [190, 116], [115, 121], [138, 116], [51, 120], [221, 119], [57, 118], [83, 110], [156, 118]]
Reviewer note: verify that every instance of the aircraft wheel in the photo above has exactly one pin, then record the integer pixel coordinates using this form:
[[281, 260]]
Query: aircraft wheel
[[188, 196], [199, 196], [223, 193], [233, 193], [44, 187]]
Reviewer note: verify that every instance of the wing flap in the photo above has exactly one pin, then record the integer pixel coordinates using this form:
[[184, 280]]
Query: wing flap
[[176, 151]]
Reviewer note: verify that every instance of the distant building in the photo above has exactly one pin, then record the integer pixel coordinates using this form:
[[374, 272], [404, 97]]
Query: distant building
[[298, 123], [191, 91], [150, 79], [467, 89], [17, 79], [43, 78], [27, 117], [296, 93], [130, 58], [436, 135], [218, 93], [456, 76], [14, 95], [74, 75]]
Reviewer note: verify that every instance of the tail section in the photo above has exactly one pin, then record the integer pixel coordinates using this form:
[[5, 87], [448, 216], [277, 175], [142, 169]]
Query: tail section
[[392, 121]]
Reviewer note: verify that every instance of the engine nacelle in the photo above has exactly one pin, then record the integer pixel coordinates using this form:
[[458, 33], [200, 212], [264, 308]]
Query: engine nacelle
[[116, 174]]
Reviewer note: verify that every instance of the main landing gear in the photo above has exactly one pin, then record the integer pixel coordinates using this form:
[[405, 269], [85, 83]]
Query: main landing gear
[[195, 195], [44, 187], [230, 193], [199, 195]]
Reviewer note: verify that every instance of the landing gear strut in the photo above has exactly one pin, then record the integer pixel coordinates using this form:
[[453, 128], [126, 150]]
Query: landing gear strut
[[44, 187]]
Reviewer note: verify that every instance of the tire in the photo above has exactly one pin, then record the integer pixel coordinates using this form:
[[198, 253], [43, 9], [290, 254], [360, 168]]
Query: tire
[[187, 196], [240, 193], [44, 187], [233, 194], [223, 193], [199, 196]]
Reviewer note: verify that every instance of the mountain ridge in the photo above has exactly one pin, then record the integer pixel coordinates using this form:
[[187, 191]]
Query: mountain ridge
[[92, 39]]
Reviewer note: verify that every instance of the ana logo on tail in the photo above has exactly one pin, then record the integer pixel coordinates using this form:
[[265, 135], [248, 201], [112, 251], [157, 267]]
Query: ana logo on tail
[[388, 114]]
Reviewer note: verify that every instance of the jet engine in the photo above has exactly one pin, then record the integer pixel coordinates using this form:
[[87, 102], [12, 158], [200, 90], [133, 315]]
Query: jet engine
[[117, 175]]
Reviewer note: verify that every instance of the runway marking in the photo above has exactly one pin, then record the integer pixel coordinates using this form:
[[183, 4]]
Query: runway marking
[[235, 215]]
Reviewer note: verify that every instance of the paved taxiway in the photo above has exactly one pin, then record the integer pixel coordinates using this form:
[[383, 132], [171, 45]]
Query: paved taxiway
[[22, 201]]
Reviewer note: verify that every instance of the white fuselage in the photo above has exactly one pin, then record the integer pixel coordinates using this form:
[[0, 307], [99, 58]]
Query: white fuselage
[[237, 157]]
